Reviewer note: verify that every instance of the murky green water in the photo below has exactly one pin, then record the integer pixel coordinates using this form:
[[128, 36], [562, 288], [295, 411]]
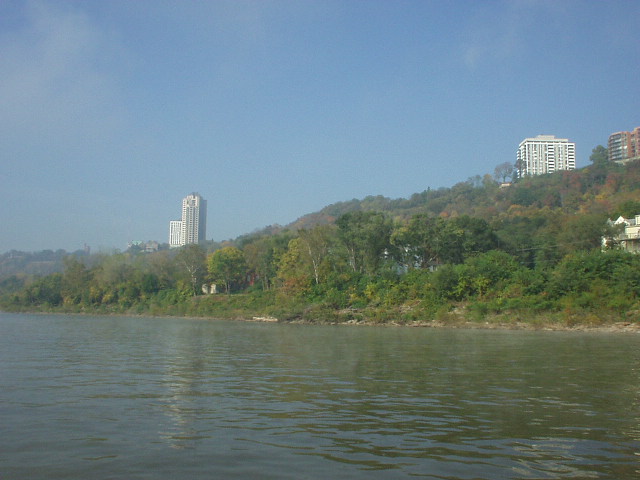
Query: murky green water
[[144, 398]]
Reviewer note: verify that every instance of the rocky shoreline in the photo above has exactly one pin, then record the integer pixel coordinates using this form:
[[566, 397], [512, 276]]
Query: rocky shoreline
[[495, 323], [619, 327]]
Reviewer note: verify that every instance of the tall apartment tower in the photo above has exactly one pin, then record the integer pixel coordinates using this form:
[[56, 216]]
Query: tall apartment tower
[[175, 232], [545, 154], [193, 226], [624, 147]]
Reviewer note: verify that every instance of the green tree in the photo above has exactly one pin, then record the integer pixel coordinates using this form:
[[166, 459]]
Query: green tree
[[295, 269], [162, 265], [583, 232], [523, 195], [262, 255], [580, 271], [627, 209], [191, 259], [491, 269], [45, 291], [316, 244], [420, 242], [465, 236], [518, 234], [75, 281], [113, 270], [366, 237], [227, 266], [599, 155]]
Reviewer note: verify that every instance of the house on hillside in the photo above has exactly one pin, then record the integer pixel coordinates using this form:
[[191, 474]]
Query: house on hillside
[[629, 237]]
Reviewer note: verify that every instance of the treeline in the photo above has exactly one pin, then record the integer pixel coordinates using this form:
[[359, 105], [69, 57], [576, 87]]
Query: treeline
[[527, 251]]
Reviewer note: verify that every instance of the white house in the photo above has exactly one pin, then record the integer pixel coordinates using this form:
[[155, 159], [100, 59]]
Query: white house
[[629, 238]]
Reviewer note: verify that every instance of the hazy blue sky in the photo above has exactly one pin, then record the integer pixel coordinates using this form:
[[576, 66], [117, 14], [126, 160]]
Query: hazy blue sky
[[112, 111]]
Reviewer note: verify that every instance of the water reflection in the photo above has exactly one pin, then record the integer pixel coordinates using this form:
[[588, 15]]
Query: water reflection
[[184, 358], [378, 407], [237, 400]]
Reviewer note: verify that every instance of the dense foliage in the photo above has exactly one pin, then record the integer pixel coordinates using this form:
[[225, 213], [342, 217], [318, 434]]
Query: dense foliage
[[479, 250]]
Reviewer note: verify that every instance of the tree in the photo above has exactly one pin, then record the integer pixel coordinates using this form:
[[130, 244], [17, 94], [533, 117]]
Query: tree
[[316, 243], [163, 267], [227, 266], [295, 269], [583, 232], [578, 271], [599, 155], [491, 268], [192, 260], [419, 243], [366, 236], [503, 171], [259, 257], [465, 236], [262, 255], [628, 209], [523, 195], [75, 281], [46, 290], [518, 236]]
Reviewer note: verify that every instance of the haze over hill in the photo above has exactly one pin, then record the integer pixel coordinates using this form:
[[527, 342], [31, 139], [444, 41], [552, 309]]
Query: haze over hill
[[111, 112], [531, 251]]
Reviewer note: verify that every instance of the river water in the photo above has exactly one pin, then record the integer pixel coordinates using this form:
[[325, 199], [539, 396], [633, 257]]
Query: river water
[[163, 398]]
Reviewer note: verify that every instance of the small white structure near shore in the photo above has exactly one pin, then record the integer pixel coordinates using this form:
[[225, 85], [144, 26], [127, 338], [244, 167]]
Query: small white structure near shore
[[209, 288]]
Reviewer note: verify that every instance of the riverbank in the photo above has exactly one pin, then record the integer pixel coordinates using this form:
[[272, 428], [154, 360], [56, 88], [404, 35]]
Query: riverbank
[[541, 323], [614, 327], [466, 315], [271, 307], [452, 320]]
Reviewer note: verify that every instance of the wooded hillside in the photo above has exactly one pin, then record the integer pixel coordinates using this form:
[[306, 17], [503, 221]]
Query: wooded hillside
[[481, 249]]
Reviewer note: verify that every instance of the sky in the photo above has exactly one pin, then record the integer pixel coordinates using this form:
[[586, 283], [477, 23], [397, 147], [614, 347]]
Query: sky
[[112, 111]]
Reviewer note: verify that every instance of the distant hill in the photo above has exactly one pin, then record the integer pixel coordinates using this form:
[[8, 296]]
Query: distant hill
[[37, 264], [603, 189], [40, 263], [482, 249]]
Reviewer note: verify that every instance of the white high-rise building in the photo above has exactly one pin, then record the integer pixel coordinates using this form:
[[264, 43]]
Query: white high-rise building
[[175, 232], [193, 226], [545, 154], [194, 219]]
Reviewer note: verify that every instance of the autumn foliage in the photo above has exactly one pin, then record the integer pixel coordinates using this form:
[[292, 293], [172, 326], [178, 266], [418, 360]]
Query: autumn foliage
[[480, 249]]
